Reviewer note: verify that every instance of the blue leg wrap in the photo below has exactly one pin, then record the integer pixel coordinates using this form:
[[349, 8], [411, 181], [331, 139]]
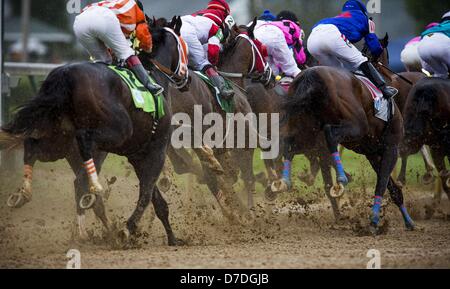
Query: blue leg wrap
[[376, 210], [287, 172], [341, 177]]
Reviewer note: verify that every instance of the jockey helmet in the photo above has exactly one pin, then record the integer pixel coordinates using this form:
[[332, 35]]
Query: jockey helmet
[[267, 16], [219, 5], [287, 15], [446, 16], [353, 5]]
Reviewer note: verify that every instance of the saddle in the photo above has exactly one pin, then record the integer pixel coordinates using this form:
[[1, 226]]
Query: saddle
[[142, 98], [226, 105], [384, 109]]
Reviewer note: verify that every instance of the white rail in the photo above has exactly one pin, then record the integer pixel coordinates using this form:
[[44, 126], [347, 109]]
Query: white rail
[[27, 69]]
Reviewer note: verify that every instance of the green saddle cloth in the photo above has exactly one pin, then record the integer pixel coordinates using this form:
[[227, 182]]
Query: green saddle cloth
[[225, 105], [142, 98]]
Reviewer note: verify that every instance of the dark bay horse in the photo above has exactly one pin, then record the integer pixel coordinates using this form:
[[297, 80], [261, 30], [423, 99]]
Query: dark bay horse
[[334, 101], [238, 64], [84, 111], [217, 170], [427, 122]]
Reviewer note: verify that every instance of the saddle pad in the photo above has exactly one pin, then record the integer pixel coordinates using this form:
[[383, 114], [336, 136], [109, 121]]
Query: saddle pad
[[382, 106], [225, 105], [142, 98]]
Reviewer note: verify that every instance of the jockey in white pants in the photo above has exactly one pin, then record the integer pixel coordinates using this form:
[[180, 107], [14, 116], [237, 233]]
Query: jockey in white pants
[[410, 53], [434, 48], [208, 27], [331, 43], [279, 37], [108, 24]]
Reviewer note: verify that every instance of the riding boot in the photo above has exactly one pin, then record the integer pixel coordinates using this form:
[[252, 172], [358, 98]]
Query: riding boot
[[219, 82], [135, 65], [372, 73]]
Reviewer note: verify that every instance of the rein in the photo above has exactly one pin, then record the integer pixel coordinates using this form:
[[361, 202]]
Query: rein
[[179, 77], [255, 53], [397, 74]]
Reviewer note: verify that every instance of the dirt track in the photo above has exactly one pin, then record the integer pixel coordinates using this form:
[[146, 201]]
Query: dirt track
[[39, 234]]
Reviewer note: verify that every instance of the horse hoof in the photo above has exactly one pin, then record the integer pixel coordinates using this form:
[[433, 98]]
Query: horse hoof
[[342, 180], [410, 227], [374, 229], [17, 200], [261, 178], [270, 195], [87, 201], [124, 236], [337, 191], [279, 186], [447, 183], [177, 242], [306, 178], [164, 184], [428, 178]]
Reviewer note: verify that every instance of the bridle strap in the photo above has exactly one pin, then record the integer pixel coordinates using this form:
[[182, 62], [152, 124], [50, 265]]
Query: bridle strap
[[174, 76]]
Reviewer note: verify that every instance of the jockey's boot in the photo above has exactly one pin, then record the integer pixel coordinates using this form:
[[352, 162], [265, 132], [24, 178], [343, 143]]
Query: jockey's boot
[[372, 73], [135, 65], [219, 82]]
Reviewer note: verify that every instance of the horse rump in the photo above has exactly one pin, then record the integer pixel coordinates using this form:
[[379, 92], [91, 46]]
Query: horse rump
[[45, 110], [308, 94]]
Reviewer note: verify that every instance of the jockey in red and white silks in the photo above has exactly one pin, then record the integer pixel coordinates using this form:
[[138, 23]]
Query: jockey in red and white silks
[[208, 27], [279, 37]]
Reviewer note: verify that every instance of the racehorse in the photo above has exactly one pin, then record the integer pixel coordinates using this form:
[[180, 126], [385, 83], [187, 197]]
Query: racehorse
[[84, 111], [427, 122], [334, 101], [239, 64], [217, 168], [404, 82]]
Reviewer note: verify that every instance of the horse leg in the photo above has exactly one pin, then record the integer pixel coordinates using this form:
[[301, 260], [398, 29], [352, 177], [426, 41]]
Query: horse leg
[[81, 184], [325, 167], [309, 178], [335, 135], [428, 177], [444, 175], [383, 166], [244, 160], [402, 176], [24, 195], [85, 145], [162, 211], [148, 168]]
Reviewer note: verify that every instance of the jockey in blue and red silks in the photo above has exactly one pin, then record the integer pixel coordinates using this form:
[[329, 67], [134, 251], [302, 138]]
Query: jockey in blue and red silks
[[331, 43], [208, 27]]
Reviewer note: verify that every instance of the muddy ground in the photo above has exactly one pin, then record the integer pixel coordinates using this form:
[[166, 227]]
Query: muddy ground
[[299, 233]]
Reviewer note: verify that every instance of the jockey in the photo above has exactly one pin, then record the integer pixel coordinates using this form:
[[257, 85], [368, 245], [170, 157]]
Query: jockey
[[209, 26], [410, 54], [434, 48], [108, 24], [267, 16], [331, 41], [280, 37]]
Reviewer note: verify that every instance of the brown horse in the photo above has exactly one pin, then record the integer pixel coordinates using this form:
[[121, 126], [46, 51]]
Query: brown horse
[[404, 82], [217, 167], [334, 101], [427, 122], [238, 64], [85, 110]]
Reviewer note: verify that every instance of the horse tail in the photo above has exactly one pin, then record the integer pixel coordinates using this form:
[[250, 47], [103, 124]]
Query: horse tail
[[44, 110], [307, 94]]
